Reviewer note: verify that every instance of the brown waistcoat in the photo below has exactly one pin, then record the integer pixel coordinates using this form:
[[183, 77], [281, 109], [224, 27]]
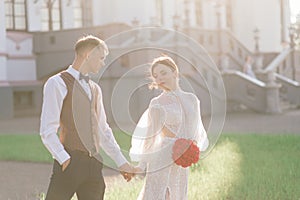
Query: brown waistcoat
[[78, 119]]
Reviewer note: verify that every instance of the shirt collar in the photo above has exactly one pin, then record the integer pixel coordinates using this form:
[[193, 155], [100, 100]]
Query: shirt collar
[[73, 72]]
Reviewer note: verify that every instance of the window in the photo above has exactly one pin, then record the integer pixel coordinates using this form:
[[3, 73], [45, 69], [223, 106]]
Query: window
[[87, 13], [23, 99], [83, 14], [77, 10], [51, 15], [16, 14]]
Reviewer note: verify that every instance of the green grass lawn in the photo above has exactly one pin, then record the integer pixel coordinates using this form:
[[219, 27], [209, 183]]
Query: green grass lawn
[[23, 148], [251, 166], [256, 167]]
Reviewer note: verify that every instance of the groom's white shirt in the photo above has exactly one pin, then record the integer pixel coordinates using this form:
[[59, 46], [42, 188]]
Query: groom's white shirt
[[55, 90]]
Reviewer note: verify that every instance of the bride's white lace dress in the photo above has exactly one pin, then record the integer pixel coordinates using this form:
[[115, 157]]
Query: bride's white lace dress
[[179, 112]]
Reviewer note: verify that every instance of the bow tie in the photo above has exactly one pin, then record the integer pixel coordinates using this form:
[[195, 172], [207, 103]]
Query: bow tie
[[86, 78]]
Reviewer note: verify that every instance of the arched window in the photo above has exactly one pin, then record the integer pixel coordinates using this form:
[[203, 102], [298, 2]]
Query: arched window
[[16, 15]]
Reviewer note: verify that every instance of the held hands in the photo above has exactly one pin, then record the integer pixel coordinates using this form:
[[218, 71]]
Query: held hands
[[138, 171], [127, 171]]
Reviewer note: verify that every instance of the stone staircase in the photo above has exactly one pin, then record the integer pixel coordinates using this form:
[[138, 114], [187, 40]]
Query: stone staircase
[[286, 105]]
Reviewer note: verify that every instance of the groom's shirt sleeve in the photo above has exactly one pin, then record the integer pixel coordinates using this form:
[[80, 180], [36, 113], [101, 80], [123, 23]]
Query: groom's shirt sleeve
[[53, 95], [107, 140]]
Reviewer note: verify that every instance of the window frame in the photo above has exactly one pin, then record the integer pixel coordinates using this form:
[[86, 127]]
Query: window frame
[[14, 16]]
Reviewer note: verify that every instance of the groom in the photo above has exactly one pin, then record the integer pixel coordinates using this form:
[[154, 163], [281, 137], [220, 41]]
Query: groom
[[73, 107]]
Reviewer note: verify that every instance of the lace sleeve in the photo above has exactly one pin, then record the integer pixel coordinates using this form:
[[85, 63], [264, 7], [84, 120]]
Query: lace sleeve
[[145, 134], [155, 124], [201, 136]]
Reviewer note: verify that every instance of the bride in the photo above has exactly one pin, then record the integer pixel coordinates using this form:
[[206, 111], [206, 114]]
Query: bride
[[171, 115]]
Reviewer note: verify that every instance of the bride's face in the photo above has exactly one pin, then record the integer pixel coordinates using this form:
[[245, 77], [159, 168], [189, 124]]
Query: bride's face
[[164, 77]]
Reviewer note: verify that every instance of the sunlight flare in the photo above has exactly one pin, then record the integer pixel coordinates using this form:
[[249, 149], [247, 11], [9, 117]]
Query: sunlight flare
[[221, 171]]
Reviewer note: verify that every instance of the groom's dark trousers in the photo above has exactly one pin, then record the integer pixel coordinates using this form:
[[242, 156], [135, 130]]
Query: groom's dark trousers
[[83, 176]]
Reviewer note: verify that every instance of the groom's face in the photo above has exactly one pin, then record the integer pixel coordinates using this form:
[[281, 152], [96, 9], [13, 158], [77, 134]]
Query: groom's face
[[95, 59]]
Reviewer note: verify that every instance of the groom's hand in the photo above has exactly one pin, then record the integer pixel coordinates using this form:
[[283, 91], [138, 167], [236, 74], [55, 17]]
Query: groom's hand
[[127, 171], [66, 164]]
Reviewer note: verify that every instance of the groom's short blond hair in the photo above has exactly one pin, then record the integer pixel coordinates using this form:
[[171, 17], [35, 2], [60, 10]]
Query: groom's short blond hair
[[88, 43]]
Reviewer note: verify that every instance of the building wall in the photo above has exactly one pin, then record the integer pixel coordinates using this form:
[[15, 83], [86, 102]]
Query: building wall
[[263, 14], [6, 105], [21, 69], [20, 64], [113, 11], [3, 73], [20, 100], [3, 67]]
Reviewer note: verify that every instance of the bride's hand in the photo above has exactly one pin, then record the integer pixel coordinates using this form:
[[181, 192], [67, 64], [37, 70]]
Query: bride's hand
[[138, 171]]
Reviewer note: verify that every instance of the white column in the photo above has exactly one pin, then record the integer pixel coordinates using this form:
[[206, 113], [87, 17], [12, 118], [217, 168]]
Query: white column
[[285, 20], [3, 53]]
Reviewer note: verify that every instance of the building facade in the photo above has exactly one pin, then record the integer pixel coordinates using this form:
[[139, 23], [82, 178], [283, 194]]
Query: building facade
[[21, 20]]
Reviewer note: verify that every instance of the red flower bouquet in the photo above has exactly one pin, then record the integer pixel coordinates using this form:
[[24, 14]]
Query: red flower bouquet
[[185, 152]]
